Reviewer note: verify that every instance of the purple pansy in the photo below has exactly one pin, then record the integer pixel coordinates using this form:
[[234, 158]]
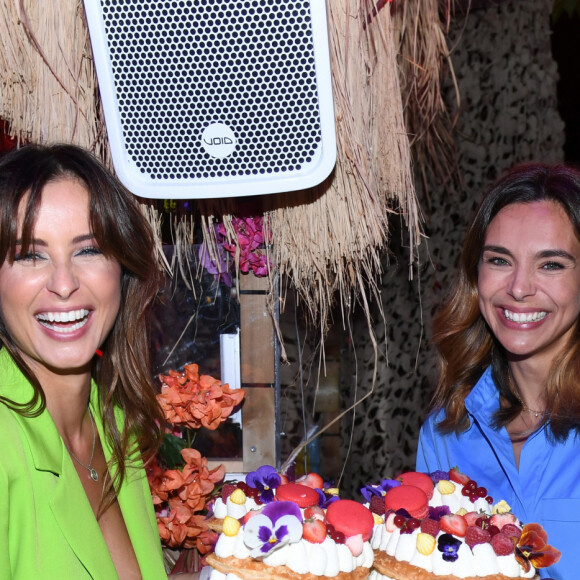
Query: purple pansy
[[437, 476], [386, 484], [325, 499], [448, 546], [278, 524], [436, 513], [265, 479]]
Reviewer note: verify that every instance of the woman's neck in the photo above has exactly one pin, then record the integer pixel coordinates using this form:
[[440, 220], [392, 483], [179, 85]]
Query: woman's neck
[[530, 382]]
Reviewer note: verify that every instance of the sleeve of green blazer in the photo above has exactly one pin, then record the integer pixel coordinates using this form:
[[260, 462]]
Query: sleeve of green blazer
[[47, 527]]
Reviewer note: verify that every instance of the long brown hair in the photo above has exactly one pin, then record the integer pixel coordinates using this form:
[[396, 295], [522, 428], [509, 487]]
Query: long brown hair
[[123, 373], [465, 345]]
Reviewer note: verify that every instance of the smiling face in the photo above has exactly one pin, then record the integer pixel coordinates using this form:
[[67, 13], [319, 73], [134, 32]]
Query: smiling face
[[60, 300], [529, 279]]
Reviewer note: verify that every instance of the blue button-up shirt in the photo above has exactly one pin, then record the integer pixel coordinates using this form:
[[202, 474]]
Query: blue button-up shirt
[[546, 489]]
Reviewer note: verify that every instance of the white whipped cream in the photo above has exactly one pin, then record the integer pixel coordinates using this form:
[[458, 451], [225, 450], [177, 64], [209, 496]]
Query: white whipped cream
[[324, 559], [234, 510], [480, 561], [457, 500]]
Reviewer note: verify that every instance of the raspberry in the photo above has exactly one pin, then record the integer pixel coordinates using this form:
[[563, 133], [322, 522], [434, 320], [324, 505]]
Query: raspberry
[[377, 505], [502, 545], [429, 526], [227, 490], [476, 535], [512, 531]]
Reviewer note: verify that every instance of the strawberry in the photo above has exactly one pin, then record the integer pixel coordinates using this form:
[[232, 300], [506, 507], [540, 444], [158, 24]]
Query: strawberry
[[471, 517], [476, 535], [500, 520], [314, 531], [314, 512], [283, 479], [312, 480], [458, 477], [453, 524], [502, 545]]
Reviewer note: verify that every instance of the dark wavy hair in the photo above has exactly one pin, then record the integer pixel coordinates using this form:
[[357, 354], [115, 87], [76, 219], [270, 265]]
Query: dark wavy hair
[[123, 373], [465, 344]]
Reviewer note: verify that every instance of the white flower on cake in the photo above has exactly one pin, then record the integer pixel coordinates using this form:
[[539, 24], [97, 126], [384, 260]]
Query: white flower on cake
[[279, 523]]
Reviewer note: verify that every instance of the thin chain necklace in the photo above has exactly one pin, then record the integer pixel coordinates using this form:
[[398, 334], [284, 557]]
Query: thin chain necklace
[[92, 471], [536, 414]]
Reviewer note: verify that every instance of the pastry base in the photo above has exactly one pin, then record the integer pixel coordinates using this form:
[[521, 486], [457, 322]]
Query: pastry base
[[389, 566], [249, 569]]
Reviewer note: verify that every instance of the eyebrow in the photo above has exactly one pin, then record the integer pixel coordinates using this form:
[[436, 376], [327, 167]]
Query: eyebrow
[[76, 240], [543, 254]]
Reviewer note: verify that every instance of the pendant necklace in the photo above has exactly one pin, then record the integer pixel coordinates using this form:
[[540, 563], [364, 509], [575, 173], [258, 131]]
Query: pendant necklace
[[92, 471], [531, 411]]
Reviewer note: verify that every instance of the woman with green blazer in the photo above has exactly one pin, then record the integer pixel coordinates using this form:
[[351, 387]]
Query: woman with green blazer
[[78, 413]]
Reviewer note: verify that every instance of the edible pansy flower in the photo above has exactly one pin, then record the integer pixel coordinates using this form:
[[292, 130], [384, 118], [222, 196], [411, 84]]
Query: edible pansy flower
[[437, 476], [436, 513], [448, 546], [265, 479], [532, 549], [278, 524], [325, 498], [386, 484]]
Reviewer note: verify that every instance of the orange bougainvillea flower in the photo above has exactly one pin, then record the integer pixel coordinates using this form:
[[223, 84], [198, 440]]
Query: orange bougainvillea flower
[[193, 401], [179, 496], [532, 548]]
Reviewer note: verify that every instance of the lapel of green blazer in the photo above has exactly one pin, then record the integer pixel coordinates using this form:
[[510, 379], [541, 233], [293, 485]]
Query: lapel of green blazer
[[67, 498]]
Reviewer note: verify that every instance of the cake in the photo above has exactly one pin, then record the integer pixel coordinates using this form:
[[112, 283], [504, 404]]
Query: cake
[[443, 526], [274, 529]]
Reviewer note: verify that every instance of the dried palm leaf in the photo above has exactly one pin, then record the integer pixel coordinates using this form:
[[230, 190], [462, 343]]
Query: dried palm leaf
[[48, 84]]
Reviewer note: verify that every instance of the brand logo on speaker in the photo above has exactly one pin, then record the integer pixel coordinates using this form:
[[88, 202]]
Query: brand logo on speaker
[[218, 140]]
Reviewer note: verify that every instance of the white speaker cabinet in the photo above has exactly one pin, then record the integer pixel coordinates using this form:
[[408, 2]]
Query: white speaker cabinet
[[215, 98]]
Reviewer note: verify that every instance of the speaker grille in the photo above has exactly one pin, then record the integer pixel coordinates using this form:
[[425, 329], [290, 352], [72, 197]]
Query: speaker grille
[[180, 66]]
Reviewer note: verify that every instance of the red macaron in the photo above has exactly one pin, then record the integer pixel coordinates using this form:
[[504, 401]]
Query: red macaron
[[410, 498], [350, 518], [302, 495]]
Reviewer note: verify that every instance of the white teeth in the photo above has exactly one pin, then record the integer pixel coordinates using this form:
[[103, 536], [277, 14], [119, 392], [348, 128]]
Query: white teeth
[[524, 317], [70, 316], [47, 318]]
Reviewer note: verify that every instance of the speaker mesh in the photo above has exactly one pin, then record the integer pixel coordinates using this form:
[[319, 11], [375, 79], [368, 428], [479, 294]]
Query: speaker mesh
[[179, 66]]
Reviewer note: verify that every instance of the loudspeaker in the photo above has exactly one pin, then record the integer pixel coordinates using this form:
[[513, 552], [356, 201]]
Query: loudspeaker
[[215, 98]]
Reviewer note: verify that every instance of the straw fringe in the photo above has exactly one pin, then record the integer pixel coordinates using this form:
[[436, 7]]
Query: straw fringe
[[48, 90], [424, 61], [339, 230]]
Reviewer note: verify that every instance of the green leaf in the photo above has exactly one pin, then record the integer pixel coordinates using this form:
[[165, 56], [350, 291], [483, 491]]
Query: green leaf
[[170, 451]]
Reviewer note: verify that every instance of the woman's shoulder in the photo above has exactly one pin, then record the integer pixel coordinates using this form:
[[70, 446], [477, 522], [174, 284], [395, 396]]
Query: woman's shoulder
[[8, 420]]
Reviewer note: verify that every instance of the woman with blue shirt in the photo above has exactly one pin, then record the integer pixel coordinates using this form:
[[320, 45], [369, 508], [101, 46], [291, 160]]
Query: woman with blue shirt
[[506, 410]]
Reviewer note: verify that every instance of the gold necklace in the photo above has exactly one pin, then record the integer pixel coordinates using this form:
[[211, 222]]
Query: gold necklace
[[92, 471], [531, 411]]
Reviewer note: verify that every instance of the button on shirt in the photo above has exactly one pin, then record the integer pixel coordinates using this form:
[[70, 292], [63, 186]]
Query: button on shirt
[[546, 489]]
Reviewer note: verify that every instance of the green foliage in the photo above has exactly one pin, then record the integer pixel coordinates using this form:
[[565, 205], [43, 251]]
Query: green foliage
[[171, 450]]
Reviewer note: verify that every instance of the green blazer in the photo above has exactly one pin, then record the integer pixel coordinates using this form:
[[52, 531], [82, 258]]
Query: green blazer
[[47, 527]]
